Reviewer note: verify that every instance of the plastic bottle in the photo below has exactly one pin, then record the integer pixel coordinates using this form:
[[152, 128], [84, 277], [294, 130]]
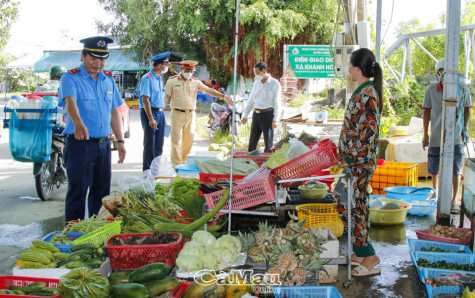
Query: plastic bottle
[[33, 102], [50, 102], [13, 103]]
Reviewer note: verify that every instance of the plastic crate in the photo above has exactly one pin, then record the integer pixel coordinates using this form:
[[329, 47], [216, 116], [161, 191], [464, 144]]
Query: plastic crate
[[393, 174], [314, 292], [7, 281], [432, 291], [258, 159], [417, 245], [461, 259], [315, 160], [245, 195], [213, 178], [62, 247], [426, 235], [128, 257], [70, 223], [321, 216], [101, 235]]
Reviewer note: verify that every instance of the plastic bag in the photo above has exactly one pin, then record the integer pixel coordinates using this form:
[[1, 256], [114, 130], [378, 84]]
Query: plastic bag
[[145, 183], [84, 282], [297, 148], [30, 139], [160, 167]]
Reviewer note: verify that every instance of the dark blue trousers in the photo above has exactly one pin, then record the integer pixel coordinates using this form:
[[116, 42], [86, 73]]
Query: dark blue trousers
[[152, 138], [88, 165]]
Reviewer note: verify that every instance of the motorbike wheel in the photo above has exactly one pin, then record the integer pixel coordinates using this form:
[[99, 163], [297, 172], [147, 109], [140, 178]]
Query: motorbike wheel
[[43, 181], [212, 129]]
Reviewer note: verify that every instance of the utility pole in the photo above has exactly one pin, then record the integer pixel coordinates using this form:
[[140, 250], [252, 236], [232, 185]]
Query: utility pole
[[451, 98]]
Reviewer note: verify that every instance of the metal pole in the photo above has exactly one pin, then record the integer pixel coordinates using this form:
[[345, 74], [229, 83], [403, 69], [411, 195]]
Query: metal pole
[[472, 41], [404, 56], [233, 124], [451, 98], [424, 49], [466, 51], [409, 62], [379, 10]]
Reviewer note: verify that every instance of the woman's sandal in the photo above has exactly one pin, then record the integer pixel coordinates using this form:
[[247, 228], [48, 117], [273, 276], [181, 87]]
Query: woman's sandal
[[363, 271]]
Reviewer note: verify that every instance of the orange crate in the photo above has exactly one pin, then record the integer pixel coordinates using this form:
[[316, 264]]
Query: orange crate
[[258, 159], [321, 216], [318, 159], [246, 195], [128, 257], [394, 174]]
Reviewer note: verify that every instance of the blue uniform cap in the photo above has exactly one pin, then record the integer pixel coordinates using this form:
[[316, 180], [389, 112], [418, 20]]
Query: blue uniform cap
[[160, 58], [97, 46]]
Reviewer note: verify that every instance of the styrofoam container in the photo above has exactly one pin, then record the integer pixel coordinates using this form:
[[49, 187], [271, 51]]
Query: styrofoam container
[[204, 156], [105, 269]]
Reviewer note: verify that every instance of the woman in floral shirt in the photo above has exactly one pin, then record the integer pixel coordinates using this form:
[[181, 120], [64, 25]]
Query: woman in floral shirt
[[358, 149]]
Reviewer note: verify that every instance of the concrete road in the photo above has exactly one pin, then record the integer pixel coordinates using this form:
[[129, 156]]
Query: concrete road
[[24, 217]]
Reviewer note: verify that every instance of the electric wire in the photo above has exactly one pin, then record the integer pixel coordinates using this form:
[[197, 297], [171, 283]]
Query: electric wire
[[389, 24]]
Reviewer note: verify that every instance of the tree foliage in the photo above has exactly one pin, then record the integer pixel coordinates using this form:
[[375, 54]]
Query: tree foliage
[[8, 15], [204, 29]]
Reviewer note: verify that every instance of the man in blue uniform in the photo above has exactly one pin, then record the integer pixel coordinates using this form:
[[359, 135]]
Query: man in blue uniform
[[151, 100], [91, 99]]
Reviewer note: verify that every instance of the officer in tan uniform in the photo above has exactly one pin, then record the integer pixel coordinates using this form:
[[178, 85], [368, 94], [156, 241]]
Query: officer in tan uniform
[[182, 90]]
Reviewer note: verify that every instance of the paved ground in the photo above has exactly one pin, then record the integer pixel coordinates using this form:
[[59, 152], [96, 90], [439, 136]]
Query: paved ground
[[24, 218]]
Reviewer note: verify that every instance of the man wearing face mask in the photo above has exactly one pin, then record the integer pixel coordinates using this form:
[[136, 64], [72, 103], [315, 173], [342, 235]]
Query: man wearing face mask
[[152, 103], [432, 106], [181, 91], [265, 97]]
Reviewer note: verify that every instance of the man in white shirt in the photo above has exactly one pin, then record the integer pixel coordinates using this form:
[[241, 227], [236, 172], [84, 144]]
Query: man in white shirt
[[265, 97]]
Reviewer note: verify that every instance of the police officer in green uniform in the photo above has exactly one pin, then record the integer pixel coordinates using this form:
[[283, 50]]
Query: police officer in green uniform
[[91, 99]]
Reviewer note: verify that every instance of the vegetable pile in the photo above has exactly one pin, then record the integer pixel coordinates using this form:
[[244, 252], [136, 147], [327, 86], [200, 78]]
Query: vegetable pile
[[444, 265], [205, 251], [434, 249], [450, 279], [155, 238], [450, 232], [33, 289], [241, 166]]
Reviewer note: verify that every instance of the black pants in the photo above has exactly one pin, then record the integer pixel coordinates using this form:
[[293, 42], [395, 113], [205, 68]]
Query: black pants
[[262, 123]]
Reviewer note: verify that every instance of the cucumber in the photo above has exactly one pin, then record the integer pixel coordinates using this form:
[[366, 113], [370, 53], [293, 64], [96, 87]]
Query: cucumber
[[119, 277], [77, 247], [129, 290], [158, 287], [155, 271]]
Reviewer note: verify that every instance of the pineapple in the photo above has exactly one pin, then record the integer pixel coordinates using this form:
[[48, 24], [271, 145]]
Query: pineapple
[[287, 261], [264, 236], [294, 225], [255, 254], [276, 275], [299, 276], [307, 240]]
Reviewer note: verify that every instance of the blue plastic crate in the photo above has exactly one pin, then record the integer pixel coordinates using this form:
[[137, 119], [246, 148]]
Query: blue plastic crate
[[62, 247], [421, 210], [431, 291], [418, 244], [314, 292], [461, 259]]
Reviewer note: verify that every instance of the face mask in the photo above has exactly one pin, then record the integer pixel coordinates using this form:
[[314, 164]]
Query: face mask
[[187, 75], [165, 70], [258, 78]]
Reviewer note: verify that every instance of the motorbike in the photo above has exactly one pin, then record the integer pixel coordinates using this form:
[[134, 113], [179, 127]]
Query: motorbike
[[51, 174], [48, 174], [221, 116]]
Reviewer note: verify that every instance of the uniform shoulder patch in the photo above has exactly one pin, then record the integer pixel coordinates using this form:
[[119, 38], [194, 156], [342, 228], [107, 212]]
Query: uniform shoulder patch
[[149, 75], [74, 70], [108, 73]]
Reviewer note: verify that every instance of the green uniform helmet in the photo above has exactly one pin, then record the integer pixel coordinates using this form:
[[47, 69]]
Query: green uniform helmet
[[56, 72]]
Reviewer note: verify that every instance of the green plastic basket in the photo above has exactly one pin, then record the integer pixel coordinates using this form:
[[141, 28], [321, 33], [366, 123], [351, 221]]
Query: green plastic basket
[[101, 235], [313, 193]]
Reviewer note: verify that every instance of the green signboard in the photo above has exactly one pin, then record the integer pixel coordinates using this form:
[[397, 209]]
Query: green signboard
[[309, 61]]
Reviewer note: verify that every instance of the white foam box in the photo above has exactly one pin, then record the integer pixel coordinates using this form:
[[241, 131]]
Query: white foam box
[[332, 251], [56, 273], [205, 155]]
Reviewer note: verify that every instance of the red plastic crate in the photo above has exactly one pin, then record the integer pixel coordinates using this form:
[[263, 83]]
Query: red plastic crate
[[320, 158], [7, 281], [128, 257], [426, 235], [258, 159], [213, 178], [245, 195]]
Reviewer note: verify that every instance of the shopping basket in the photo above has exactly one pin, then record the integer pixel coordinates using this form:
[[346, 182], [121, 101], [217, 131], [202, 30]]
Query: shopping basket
[[322, 157], [128, 257], [101, 235]]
